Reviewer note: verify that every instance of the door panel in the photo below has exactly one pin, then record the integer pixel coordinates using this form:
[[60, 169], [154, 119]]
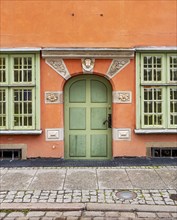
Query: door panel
[[99, 145], [77, 92], [98, 92], [98, 116], [87, 103], [77, 118], [77, 145]]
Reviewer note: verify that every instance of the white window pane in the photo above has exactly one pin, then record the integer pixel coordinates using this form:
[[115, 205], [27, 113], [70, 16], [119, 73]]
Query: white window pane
[[152, 69], [173, 68], [2, 69], [2, 108], [173, 106], [23, 107], [152, 106]]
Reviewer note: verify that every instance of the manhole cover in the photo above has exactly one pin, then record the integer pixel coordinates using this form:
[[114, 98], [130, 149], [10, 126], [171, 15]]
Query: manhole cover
[[173, 197], [127, 195]]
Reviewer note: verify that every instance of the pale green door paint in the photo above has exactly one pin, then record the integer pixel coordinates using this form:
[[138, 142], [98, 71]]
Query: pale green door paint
[[87, 103]]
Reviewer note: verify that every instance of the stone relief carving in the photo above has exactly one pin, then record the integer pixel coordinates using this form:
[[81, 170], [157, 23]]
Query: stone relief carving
[[88, 65], [122, 97], [116, 66], [54, 134], [59, 66], [53, 97], [121, 134]]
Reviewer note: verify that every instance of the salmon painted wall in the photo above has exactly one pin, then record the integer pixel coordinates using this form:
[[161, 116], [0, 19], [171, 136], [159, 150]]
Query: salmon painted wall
[[124, 115], [92, 23], [87, 24]]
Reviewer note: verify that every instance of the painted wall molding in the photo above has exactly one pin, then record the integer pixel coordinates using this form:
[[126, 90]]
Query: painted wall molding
[[59, 66], [54, 134], [53, 97], [121, 134], [122, 97], [116, 66]]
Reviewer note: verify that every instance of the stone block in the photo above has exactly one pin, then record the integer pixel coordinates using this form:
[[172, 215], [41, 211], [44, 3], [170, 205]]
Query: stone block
[[35, 214], [146, 215]]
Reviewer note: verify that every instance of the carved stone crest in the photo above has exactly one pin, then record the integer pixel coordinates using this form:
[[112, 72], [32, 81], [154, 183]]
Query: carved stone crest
[[53, 97], [88, 65], [59, 66], [116, 66], [122, 97]]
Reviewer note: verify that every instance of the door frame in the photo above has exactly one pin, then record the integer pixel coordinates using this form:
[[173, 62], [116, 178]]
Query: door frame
[[109, 87]]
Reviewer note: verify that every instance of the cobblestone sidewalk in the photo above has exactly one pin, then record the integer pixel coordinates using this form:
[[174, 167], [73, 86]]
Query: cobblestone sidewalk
[[148, 197]]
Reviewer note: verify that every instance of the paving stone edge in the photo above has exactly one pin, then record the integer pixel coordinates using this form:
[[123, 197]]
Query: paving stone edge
[[86, 207]]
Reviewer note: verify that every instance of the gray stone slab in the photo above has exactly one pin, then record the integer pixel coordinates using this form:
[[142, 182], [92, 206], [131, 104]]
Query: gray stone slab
[[43, 206], [113, 179], [48, 179], [17, 179], [3, 171], [128, 207], [145, 179], [81, 179], [169, 177]]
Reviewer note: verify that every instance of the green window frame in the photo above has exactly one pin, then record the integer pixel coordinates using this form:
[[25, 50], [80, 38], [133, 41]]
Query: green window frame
[[156, 89], [19, 91]]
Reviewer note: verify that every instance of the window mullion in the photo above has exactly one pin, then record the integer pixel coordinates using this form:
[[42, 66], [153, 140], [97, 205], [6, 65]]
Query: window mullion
[[164, 108]]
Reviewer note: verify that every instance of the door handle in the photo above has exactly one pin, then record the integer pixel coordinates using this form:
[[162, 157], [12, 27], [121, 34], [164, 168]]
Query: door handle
[[109, 121]]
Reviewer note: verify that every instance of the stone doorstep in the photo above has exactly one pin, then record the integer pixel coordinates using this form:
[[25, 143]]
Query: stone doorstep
[[87, 207]]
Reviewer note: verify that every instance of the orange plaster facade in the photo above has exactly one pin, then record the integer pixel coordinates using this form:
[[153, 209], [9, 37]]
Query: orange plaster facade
[[87, 24]]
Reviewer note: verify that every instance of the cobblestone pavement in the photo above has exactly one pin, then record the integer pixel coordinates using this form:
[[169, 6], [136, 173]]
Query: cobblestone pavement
[[86, 215], [148, 197]]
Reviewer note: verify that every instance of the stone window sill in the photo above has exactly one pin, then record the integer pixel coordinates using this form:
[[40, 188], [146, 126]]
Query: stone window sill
[[21, 132], [155, 131]]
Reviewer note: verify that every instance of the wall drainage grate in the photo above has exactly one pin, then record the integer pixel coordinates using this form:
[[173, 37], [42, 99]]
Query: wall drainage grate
[[126, 195], [173, 197]]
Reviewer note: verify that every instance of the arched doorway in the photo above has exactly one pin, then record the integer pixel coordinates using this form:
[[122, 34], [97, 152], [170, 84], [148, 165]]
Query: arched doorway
[[87, 115]]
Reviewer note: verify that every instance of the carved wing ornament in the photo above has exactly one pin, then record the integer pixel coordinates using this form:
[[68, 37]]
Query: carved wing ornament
[[59, 66]]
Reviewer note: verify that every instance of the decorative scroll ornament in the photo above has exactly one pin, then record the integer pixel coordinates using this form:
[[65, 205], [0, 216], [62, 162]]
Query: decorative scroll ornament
[[53, 97], [122, 97], [88, 65], [116, 66], [59, 66]]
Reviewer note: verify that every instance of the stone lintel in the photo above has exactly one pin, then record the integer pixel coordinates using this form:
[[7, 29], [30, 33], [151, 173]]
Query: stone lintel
[[79, 53]]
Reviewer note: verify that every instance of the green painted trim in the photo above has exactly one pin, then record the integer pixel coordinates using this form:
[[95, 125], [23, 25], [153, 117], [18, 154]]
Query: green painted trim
[[38, 103], [165, 84], [34, 86], [138, 103]]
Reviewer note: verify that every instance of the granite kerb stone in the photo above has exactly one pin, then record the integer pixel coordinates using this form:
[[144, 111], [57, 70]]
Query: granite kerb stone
[[130, 208], [87, 207], [43, 206]]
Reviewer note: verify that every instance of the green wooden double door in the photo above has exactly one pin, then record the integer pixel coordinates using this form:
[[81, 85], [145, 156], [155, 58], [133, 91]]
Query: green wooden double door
[[87, 110]]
